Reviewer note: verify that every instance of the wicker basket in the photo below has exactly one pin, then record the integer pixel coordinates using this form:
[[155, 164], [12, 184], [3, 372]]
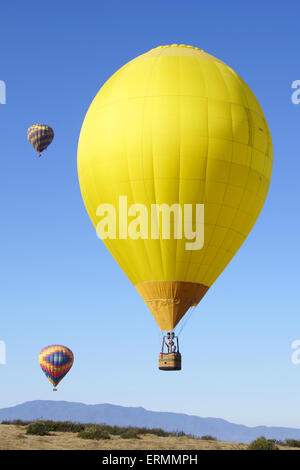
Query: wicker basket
[[169, 361]]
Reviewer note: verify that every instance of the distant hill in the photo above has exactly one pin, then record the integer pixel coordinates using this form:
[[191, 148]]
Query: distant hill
[[129, 416]]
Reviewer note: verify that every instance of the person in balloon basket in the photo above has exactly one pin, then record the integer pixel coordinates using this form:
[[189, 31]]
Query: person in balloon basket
[[170, 344]]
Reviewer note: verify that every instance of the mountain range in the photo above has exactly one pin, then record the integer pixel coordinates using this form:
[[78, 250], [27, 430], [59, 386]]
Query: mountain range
[[140, 417]]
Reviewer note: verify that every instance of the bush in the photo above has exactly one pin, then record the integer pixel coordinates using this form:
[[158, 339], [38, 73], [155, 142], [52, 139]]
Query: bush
[[114, 430], [130, 434], [37, 428], [94, 433], [292, 443], [262, 444], [63, 426], [17, 422], [278, 442], [158, 432], [207, 437], [155, 431]]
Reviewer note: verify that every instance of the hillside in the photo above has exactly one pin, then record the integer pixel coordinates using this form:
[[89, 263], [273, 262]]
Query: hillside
[[15, 438], [129, 416]]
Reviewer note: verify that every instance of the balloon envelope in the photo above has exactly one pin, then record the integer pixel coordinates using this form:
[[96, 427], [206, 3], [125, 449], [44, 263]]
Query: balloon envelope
[[55, 362], [40, 136], [176, 126]]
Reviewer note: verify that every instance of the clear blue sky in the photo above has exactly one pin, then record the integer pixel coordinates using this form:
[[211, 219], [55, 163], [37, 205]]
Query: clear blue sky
[[57, 280]]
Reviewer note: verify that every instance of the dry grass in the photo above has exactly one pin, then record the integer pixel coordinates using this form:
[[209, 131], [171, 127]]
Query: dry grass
[[14, 437]]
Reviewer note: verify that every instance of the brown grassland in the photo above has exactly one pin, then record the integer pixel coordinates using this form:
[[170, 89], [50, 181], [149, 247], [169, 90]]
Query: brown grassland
[[14, 437]]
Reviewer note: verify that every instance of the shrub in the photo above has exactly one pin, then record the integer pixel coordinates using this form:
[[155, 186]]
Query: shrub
[[130, 434], [262, 444], [63, 426], [94, 433], [292, 443], [278, 442], [37, 428], [114, 430], [17, 422], [155, 431], [207, 437]]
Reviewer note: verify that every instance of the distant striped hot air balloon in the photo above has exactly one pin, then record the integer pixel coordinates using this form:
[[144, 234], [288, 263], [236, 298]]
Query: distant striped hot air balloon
[[55, 362], [40, 136]]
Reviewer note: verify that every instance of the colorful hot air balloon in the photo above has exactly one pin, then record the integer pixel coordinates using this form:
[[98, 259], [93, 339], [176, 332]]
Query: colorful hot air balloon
[[40, 136], [175, 126], [56, 361]]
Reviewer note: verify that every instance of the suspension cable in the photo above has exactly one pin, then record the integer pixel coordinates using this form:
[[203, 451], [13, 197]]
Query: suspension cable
[[186, 319]]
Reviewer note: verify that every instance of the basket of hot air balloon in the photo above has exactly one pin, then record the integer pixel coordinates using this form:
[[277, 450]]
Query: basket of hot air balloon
[[169, 361], [170, 357], [55, 362], [40, 136], [175, 127]]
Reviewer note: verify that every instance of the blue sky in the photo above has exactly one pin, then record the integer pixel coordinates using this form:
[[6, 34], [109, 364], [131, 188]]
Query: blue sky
[[58, 282]]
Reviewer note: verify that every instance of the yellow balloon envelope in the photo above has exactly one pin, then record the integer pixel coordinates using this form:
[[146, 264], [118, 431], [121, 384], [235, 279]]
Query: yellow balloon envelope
[[176, 126]]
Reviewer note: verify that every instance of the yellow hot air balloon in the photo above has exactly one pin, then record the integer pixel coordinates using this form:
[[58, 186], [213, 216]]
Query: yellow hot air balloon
[[175, 126]]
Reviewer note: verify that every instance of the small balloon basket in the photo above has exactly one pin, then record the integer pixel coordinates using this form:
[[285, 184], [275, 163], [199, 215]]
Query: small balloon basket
[[170, 360], [55, 390]]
